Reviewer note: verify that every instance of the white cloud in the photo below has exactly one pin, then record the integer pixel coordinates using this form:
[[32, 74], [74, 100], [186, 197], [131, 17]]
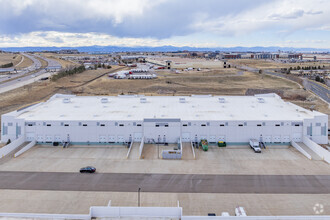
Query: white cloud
[[289, 15], [206, 23], [60, 39], [76, 10]]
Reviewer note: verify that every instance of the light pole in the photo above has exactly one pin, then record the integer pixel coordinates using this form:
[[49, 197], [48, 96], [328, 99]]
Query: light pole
[[139, 197]]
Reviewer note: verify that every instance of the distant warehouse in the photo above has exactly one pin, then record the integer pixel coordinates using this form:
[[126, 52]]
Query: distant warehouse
[[164, 119]]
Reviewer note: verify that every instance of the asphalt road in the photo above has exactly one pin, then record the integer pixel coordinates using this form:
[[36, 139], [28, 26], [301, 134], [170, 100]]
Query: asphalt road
[[172, 183], [36, 65], [319, 90], [19, 82]]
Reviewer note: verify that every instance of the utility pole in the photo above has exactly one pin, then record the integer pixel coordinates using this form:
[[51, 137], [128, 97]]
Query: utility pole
[[139, 197]]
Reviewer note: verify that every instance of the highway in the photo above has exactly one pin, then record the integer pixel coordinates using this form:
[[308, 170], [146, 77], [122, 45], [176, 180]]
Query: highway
[[316, 88], [36, 65], [167, 183], [21, 80]]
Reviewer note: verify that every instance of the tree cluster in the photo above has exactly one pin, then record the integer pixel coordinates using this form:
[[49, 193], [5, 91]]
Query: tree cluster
[[68, 72], [102, 66], [7, 65]]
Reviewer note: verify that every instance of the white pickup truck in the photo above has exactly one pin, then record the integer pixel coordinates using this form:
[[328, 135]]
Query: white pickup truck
[[254, 144]]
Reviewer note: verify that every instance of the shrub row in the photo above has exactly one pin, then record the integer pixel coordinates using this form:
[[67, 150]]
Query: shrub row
[[7, 65], [68, 72]]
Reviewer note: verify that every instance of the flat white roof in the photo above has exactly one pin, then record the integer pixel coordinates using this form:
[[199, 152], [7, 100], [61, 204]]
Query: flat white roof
[[207, 108]]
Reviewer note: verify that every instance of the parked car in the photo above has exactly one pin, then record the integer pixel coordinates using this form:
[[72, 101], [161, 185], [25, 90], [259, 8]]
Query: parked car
[[254, 144], [88, 169]]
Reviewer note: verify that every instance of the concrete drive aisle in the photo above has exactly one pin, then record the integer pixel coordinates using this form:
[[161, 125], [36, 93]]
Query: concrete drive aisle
[[309, 151], [174, 183]]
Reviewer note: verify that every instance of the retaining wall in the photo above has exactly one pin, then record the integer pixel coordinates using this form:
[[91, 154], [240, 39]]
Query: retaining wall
[[295, 145], [323, 153], [12, 146]]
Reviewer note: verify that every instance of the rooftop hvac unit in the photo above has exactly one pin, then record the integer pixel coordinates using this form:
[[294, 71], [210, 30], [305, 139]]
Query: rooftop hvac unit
[[66, 100], [104, 100], [261, 100], [222, 100], [143, 100], [182, 100]]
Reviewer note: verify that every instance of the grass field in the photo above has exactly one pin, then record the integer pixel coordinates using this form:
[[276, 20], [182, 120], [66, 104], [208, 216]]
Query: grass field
[[188, 83], [25, 63], [18, 60], [6, 58], [64, 63]]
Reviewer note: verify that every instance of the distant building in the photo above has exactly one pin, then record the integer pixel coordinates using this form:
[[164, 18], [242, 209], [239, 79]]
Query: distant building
[[133, 59], [72, 51], [232, 56]]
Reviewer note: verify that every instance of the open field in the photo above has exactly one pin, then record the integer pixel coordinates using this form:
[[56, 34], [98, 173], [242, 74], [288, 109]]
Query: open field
[[18, 60], [25, 63], [239, 160], [42, 90], [186, 84], [6, 58], [64, 63], [182, 63], [73, 202], [268, 64], [203, 72], [216, 82]]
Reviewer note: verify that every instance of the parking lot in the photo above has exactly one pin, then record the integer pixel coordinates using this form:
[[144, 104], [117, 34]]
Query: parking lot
[[281, 160], [69, 202]]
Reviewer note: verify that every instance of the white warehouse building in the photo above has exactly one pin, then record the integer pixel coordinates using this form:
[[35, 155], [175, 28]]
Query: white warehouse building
[[164, 119]]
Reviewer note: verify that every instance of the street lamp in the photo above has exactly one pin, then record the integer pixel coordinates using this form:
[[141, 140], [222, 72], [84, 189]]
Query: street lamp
[[139, 197]]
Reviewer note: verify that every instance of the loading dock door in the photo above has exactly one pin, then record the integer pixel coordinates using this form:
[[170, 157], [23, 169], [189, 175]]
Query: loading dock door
[[30, 136], [165, 130], [40, 138], [102, 139], [267, 139], [296, 137], [137, 137], [49, 139], [112, 138], [57, 138], [277, 139], [212, 139], [286, 138], [185, 137], [120, 139], [222, 138]]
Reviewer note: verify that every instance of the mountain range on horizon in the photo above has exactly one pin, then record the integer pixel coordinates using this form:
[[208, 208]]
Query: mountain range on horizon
[[109, 49]]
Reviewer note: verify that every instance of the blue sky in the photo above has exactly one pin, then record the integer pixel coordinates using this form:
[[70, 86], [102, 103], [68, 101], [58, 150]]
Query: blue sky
[[200, 23]]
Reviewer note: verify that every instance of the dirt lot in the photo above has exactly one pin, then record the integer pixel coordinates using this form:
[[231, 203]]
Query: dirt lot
[[182, 63], [276, 160], [216, 82], [15, 59], [213, 82], [6, 58], [64, 63], [42, 90]]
